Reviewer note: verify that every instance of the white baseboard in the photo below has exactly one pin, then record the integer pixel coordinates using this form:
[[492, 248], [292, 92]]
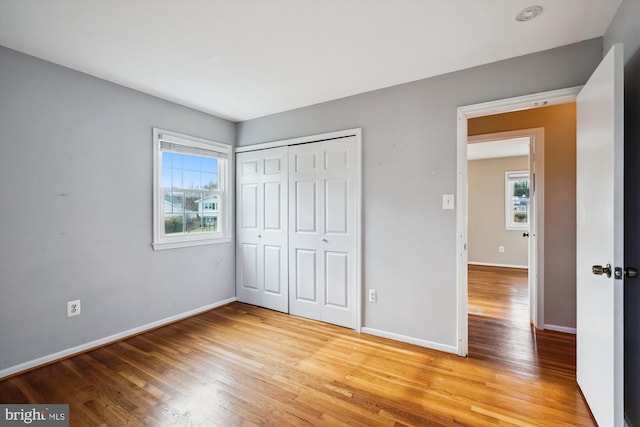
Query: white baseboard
[[411, 340], [560, 329], [492, 264], [107, 340]]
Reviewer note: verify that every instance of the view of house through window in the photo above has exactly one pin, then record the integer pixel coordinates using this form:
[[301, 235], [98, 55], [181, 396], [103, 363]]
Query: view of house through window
[[517, 200], [190, 193]]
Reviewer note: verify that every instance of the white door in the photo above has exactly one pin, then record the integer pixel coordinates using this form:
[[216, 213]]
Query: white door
[[261, 217], [599, 195], [323, 239]]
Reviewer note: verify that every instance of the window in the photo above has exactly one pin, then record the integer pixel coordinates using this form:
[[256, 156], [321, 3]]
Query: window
[[191, 177], [517, 200]]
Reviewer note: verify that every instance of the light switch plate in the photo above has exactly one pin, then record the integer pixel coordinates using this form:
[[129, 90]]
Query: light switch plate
[[448, 201]]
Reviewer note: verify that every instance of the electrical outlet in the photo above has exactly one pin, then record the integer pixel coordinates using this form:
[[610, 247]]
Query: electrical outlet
[[500, 249], [373, 295], [73, 308]]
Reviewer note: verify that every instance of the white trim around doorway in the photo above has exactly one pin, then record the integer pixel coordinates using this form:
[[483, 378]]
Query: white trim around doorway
[[543, 99]]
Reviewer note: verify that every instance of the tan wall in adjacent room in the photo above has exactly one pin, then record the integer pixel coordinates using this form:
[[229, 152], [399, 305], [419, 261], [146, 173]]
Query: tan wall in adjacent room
[[559, 123], [486, 215]]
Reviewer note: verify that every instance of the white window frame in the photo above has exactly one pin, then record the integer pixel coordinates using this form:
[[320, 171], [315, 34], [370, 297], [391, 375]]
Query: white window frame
[[224, 154], [510, 224]]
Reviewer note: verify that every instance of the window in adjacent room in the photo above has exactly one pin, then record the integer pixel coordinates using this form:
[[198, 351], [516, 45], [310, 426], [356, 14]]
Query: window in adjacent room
[[191, 178], [517, 200]]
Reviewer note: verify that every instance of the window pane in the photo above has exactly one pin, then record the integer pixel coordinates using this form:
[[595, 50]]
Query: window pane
[[209, 181], [191, 202], [176, 178], [173, 202], [210, 222], [167, 157], [521, 201], [520, 211], [176, 160], [209, 165], [190, 162], [173, 224], [191, 180], [194, 223], [210, 203], [517, 200], [167, 177]]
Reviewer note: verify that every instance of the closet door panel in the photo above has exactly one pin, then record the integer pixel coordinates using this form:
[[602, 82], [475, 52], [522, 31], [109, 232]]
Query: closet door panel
[[306, 285], [249, 201], [273, 270], [262, 242], [249, 267], [273, 206], [323, 239], [305, 206], [336, 207], [337, 279]]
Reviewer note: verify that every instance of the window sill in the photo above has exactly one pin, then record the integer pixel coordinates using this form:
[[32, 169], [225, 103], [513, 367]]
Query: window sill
[[160, 246], [516, 228]]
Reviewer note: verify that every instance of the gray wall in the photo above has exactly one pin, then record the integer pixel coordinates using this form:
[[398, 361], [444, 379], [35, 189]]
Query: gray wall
[[624, 28], [76, 211], [409, 161]]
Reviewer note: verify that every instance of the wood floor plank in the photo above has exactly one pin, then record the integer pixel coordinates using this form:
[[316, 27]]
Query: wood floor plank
[[241, 365], [500, 330]]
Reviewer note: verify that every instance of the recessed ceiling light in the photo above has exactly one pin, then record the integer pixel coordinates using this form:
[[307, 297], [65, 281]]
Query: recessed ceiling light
[[529, 13]]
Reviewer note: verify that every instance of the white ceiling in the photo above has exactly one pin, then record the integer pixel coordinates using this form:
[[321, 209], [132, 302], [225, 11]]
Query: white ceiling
[[242, 59], [500, 148]]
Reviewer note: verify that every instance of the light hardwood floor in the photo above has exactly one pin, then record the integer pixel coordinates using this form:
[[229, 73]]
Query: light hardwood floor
[[241, 365], [500, 329]]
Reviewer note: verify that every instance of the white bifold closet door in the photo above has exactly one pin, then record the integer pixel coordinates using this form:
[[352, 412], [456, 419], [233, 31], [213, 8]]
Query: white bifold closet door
[[323, 235], [261, 249]]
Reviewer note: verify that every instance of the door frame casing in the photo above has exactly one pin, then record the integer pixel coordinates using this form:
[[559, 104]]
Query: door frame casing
[[542, 99], [357, 133]]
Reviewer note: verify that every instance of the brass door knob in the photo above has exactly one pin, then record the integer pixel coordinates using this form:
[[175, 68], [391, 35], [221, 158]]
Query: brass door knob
[[600, 270]]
